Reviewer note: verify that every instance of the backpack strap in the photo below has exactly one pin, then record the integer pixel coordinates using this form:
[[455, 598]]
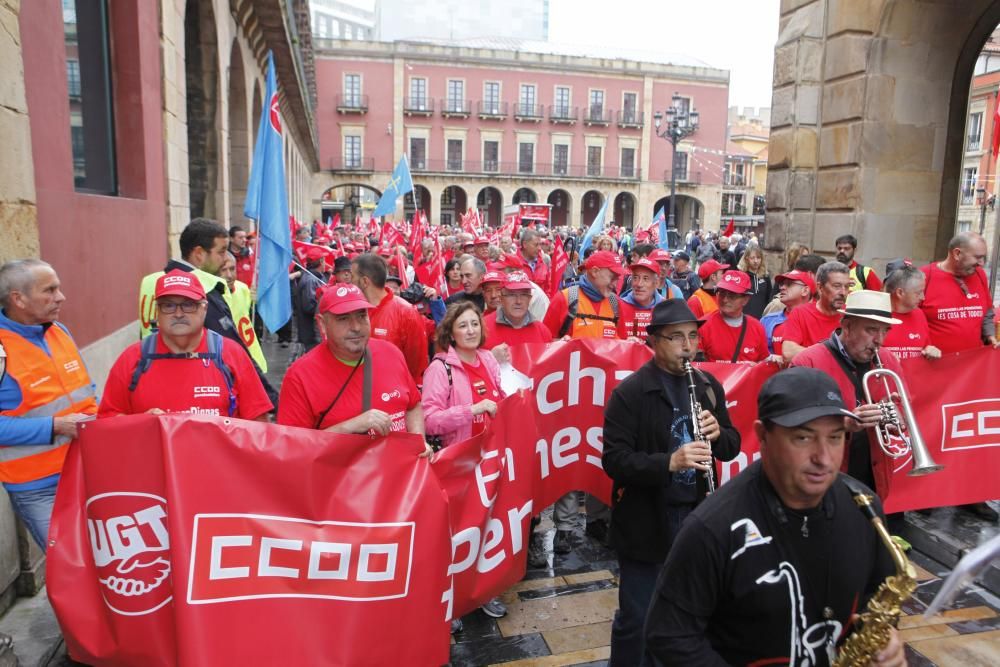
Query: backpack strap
[[573, 304], [148, 352], [215, 352], [859, 270]]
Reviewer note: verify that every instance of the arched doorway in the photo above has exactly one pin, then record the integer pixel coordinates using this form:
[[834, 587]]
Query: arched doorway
[[489, 201], [561, 205], [239, 145], [688, 215], [349, 200], [202, 99], [256, 109], [590, 204], [624, 209], [420, 199], [454, 203], [524, 196]]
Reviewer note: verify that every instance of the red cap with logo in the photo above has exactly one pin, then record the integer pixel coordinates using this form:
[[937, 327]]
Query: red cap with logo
[[180, 283], [481, 240], [736, 282], [341, 299], [604, 259], [517, 280], [708, 268], [494, 277], [645, 263], [659, 255], [797, 276]]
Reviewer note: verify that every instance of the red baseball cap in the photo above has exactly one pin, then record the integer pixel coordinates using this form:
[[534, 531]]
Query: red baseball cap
[[708, 268], [797, 276], [604, 259], [481, 240], [341, 299], [645, 263], [180, 283], [517, 280], [736, 282], [316, 253], [494, 277], [659, 255]]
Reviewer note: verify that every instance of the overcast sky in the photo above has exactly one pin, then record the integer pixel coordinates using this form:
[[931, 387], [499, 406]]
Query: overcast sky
[[737, 35]]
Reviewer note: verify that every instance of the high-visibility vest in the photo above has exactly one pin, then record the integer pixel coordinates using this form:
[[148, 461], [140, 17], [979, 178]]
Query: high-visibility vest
[[708, 303], [51, 386], [240, 302], [147, 311], [592, 327], [859, 277]]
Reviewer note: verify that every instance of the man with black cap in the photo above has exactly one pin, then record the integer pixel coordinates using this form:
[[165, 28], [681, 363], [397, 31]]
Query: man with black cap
[[770, 569], [657, 466], [682, 275], [846, 356]]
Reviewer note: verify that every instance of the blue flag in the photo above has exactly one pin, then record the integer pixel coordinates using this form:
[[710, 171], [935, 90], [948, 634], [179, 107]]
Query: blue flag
[[400, 183], [596, 228], [660, 219], [267, 203]]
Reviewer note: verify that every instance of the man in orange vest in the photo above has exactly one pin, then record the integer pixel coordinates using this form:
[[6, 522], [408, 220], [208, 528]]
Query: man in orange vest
[[44, 390], [702, 302]]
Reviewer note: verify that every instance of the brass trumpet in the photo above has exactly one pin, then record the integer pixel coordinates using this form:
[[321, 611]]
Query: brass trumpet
[[897, 435]]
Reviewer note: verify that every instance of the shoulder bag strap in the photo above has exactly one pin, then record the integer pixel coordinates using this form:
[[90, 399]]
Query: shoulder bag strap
[[739, 341], [350, 376], [366, 381]]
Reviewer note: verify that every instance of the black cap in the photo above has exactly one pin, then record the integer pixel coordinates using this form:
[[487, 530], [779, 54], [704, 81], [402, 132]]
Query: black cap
[[671, 311], [394, 279], [342, 264], [897, 264], [798, 395], [680, 254]]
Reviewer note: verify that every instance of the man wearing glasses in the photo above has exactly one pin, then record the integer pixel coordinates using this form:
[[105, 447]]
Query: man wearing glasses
[[656, 464], [182, 367], [512, 323]]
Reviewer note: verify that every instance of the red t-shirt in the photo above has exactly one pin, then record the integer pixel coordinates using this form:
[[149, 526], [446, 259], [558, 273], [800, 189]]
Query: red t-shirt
[[633, 320], [955, 316], [777, 337], [482, 387], [314, 380], [718, 339], [497, 334], [195, 386], [907, 340], [806, 325], [245, 268], [397, 321]]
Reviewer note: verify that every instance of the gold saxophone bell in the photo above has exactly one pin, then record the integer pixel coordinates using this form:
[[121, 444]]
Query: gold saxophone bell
[[897, 435]]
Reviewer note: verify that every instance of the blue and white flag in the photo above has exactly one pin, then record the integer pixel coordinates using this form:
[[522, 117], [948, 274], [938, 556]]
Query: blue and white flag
[[596, 228], [660, 219], [267, 203], [400, 183]]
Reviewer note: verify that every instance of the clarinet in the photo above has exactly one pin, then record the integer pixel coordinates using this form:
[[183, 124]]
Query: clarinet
[[696, 424]]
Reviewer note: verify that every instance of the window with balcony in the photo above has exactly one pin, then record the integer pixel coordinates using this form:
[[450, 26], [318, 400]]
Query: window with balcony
[[352, 152], [629, 115], [352, 90], [560, 159], [491, 97], [526, 157], [418, 94], [975, 131], [596, 110], [526, 102], [681, 166], [733, 204], [491, 156], [418, 152], [969, 179], [455, 155], [456, 96], [628, 163], [561, 106], [594, 160]]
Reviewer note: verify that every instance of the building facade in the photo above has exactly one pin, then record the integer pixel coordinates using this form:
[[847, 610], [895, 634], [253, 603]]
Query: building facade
[[450, 19], [487, 127], [976, 198]]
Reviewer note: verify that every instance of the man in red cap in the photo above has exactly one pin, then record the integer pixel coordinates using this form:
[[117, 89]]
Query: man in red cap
[[353, 383], [794, 289], [182, 366], [813, 322], [481, 249], [637, 304], [590, 308], [492, 286], [730, 334], [667, 289], [702, 302], [512, 322]]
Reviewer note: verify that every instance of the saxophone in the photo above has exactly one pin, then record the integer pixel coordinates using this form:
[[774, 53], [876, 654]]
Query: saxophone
[[871, 632]]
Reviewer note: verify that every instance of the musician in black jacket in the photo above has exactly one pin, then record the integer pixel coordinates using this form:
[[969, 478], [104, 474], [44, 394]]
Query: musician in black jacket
[[657, 467]]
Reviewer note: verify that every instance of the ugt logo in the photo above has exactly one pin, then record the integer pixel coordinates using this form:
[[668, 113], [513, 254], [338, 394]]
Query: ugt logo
[[131, 547]]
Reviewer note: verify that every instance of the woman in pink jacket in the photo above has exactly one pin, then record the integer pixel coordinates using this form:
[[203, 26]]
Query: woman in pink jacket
[[461, 391], [461, 386]]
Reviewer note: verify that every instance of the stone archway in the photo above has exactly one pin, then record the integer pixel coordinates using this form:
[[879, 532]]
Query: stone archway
[[202, 98], [590, 205], [454, 203], [624, 209], [489, 201], [689, 213], [868, 122], [239, 145], [348, 200], [562, 203], [524, 196]]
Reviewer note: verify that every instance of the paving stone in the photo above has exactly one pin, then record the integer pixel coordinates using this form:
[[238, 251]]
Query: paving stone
[[588, 576], [571, 589], [34, 629], [585, 657], [507, 650], [981, 649], [527, 616], [578, 638], [948, 616]]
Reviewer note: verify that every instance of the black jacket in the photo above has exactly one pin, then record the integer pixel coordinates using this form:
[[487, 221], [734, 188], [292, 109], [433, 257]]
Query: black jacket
[[760, 294], [637, 457], [306, 303]]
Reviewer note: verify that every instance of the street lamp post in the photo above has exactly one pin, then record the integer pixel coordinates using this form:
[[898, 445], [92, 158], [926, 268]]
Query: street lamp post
[[680, 124]]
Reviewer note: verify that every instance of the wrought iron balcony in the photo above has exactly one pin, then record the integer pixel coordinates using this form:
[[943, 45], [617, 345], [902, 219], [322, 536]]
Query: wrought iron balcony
[[529, 112], [352, 103], [456, 108], [491, 110], [559, 113], [630, 119], [418, 106]]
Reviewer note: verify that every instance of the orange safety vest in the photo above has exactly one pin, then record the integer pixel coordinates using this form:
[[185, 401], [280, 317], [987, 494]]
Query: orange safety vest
[[51, 386], [589, 327], [708, 303]]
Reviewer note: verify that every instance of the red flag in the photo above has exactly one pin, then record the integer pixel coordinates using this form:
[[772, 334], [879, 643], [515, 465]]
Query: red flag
[[467, 223], [730, 228], [301, 250], [400, 263], [996, 126], [390, 236], [335, 221], [560, 260], [438, 280], [417, 234]]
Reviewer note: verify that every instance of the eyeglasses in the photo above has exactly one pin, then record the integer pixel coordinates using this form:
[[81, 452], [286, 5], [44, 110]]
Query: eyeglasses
[[170, 307], [678, 338]]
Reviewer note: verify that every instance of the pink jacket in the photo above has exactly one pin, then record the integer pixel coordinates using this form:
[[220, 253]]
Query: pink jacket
[[448, 410]]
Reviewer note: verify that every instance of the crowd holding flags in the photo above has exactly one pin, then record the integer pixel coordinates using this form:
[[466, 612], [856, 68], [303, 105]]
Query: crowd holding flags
[[596, 227]]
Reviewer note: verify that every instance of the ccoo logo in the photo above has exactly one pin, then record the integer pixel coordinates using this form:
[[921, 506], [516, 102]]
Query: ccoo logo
[[131, 547]]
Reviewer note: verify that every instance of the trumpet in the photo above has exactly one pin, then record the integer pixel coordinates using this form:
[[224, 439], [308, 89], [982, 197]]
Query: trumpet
[[898, 435], [696, 424]]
